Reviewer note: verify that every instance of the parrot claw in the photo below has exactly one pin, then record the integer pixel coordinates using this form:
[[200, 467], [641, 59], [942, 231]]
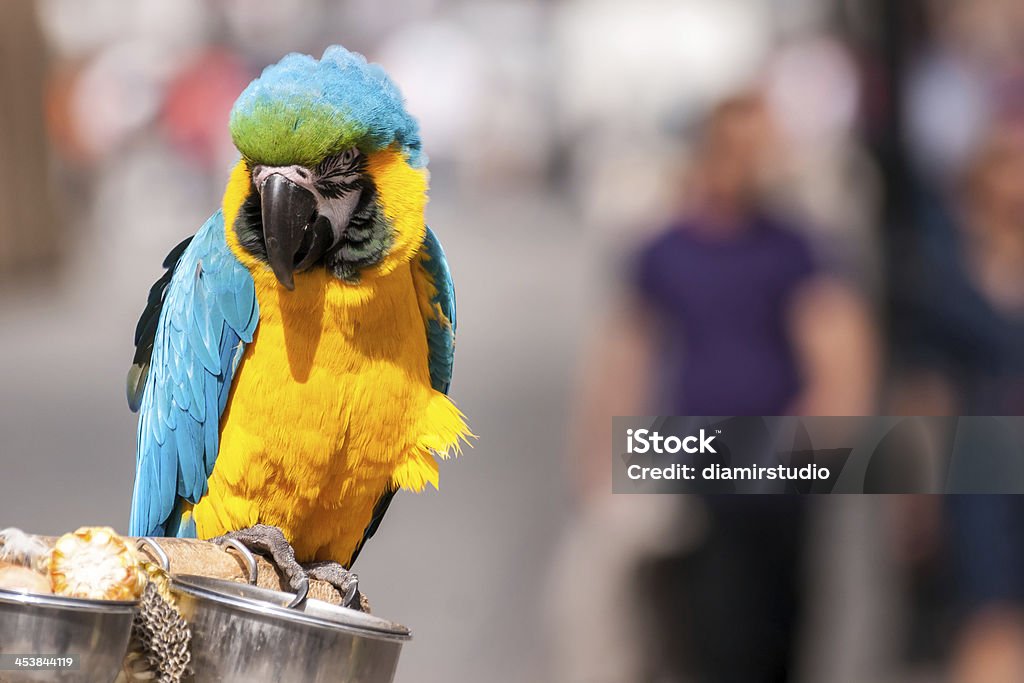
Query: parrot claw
[[344, 581], [269, 540]]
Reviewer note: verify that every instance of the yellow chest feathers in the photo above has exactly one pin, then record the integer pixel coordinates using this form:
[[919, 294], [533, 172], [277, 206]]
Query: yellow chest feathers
[[331, 405]]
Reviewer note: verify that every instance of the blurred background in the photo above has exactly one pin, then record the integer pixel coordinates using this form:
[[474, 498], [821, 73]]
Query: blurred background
[[706, 207]]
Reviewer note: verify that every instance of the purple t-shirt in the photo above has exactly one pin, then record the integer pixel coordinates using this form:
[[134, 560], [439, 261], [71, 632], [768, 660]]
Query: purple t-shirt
[[723, 306]]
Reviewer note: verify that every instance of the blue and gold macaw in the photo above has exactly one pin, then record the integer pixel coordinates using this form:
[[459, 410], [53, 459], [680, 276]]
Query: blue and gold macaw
[[292, 365]]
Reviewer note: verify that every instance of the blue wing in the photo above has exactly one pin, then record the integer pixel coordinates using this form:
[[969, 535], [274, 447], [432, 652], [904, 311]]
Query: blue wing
[[209, 312], [440, 315]]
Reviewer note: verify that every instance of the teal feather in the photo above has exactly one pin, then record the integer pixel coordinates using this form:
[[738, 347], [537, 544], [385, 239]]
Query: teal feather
[[440, 336], [209, 311]]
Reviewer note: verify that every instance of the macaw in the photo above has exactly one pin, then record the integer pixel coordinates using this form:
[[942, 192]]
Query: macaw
[[292, 365]]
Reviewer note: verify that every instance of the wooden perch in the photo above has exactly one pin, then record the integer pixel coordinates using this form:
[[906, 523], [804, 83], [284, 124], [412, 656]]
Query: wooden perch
[[191, 556]]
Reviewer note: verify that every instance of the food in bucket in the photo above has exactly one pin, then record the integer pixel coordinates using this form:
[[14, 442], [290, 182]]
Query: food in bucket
[[92, 562]]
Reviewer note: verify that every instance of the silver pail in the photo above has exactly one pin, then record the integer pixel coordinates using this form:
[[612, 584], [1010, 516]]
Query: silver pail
[[246, 634], [50, 626]]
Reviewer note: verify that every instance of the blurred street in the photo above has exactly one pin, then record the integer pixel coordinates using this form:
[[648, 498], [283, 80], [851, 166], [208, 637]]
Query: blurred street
[[693, 207]]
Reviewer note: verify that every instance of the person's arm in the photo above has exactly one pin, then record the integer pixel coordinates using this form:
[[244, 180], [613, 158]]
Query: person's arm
[[615, 379], [837, 350]]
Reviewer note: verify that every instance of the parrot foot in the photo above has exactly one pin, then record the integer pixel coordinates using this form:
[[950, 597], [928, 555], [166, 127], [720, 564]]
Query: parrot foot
[[344, 581], [269, 540]]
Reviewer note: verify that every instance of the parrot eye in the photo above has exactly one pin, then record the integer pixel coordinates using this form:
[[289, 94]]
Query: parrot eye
[[340, 165], [340, 173], [348, 156]]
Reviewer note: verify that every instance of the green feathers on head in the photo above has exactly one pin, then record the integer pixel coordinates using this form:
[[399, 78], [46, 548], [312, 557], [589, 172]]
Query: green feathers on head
[[279, 134], [301, 110]]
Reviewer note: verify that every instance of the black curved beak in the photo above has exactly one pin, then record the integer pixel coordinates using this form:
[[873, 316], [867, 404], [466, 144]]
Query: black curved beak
[[289, 212]]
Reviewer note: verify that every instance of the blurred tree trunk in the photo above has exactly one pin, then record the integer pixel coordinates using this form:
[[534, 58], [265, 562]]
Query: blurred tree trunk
[[29, 230]]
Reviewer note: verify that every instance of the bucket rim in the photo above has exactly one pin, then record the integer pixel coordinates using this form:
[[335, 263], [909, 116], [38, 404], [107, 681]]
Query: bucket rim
[[267, 602], [24, 598]]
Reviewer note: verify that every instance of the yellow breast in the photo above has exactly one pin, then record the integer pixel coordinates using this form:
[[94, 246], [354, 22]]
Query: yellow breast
[[331, 405]]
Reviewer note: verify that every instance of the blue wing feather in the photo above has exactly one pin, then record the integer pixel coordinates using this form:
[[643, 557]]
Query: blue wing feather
[[209, 313], [440, 329]]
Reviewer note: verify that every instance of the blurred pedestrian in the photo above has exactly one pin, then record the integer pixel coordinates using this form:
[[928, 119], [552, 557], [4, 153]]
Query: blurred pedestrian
[[730, 314], [963, 340], [963, 354]]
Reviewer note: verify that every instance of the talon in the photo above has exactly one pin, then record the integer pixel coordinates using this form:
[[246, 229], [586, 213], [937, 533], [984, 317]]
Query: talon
[[344, 581], [270, 542]]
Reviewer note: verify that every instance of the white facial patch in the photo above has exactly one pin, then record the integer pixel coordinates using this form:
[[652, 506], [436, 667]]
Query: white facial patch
[[337, 209]]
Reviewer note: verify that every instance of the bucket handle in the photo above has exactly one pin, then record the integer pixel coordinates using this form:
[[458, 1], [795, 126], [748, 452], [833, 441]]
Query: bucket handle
[[149, 545], [230, 544], [152, 547], [234, 544]]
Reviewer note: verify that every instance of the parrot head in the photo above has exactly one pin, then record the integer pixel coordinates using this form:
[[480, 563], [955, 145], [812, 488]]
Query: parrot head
[[332, 174]]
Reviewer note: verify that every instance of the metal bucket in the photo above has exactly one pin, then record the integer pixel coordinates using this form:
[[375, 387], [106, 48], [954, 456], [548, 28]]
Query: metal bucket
[[245, 634], [95, 631]]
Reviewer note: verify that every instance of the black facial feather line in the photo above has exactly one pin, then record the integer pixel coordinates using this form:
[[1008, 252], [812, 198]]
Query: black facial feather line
[[249, 225], [340, 173]]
